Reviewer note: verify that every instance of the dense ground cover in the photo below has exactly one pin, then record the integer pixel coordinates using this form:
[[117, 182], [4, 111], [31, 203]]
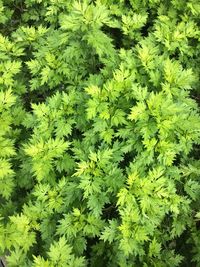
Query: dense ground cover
[[99, 133]]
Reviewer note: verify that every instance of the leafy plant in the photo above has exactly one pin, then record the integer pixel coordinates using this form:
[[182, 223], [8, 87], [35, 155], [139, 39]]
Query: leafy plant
[[99, 133]]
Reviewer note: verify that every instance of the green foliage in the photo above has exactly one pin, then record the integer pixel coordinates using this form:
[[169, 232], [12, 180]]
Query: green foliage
[[99, 133]]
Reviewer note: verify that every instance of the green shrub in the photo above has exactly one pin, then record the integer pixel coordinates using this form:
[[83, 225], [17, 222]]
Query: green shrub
[[99, 133]]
